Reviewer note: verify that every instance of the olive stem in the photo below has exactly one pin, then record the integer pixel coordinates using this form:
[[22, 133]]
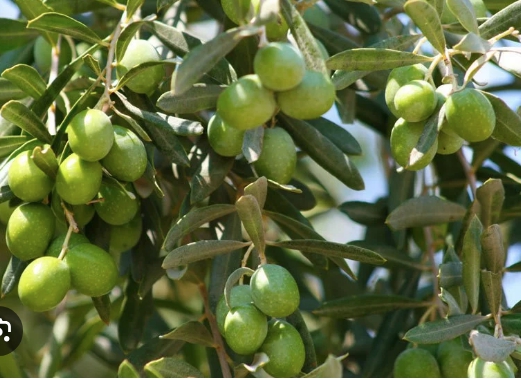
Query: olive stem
[[65, 246], [53, 74], [469, 173], [419, 45], [429, 244], [246, 256], [219, 344]]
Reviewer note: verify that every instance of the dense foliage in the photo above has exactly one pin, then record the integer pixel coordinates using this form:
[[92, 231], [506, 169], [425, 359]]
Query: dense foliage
[[156, 153]]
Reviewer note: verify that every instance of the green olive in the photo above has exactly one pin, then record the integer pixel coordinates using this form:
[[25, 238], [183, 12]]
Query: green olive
[[117, 206], [245, 328], [78, 181], [240, 295], [279, 66], [91, 134], [224, 139], [416, 363], [26, 180]]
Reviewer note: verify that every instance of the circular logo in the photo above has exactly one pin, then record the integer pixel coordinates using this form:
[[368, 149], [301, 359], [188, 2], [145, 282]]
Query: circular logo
[[11, 331]]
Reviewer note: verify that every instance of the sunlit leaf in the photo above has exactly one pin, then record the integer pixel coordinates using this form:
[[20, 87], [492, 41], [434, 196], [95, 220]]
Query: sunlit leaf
[[471, 258], [200, 250]]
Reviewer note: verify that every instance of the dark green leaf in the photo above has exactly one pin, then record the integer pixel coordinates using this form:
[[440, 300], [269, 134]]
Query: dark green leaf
[[490, 348], [169, 367], [296, 319], [12, 274], [338, 135], [364, 305], [210, 174], [59, 23], [23, 117], [508, 122], [491, 196], [373, 59], [191, 332], [250, 214], [32, 9], [324, 152], [464, 12], [428, 137], [332, 249], [507, 17], [134, 125], [102, 305], [27, 79], [471, 258], [393, 256], [125, 37], [8, 144], [363, 17], [492, 286], [193, 220], [14, 33], [493, 248], [443, 330], [139, 70], [200, 250], [127, 370], [154, 348], [365, 213], [450, 274], [424, 211], [454, 306], [133, 6], [10, 91], [203, 57], [182, 127], [426, 18], [199, 97]]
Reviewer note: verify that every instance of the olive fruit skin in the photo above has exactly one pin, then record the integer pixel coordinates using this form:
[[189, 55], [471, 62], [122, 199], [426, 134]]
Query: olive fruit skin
[[127, 158], [91, 134], [284, 346], [398, 78], [240, 295], [246, 104], [140, 51], [245, 328], [224, 139], [126, 236], [29, 230], [313, 97], [415, 101], [453, 359], [279, 66], [93, 271], [448, 144], [404, 137], [56, 245], [117, 207], [416, 363], [44, 283], [480, 368], [26, 180], [278, 158], [277, 30], [470, 115], [77, 180], [274, 291]]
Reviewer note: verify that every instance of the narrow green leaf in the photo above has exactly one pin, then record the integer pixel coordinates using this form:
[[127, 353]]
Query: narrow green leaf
[[492, 286], [193, 220], [127, 370], [367, 19], [27, 79], [10, 91], [126, 36], [324, 152], [454, 307], [490, 348], [508, 122], [491, 196], [365, 213], [296, 319], [393, 256], [46, 160], [183, 127], [191, 332], [259, 190], [134, 125], [8, 144], [17, 113], [424, 211], [443, 330], [426, 18], [451, 274], [473, 43], [62, 24], [102, 305], [12, 275], [200, 250], [169, 367], [471, 258], [14, 33], [139, 70], [338, 135], [32, 9], [507, 17], [153, 349], [199, 97], [373, 59], [250, 214], [305, 40], [209, 175], [493, 248], [464, 12], [133, 6], [428, 137], [332, 249], [364, 305], [203, 57]]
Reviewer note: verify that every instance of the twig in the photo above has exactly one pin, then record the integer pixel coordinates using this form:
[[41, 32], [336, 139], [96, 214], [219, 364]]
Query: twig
[[65, 246], [469, 173], [429, 244]]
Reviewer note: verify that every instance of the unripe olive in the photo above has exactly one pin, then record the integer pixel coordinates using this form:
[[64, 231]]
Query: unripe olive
[[140, 51], [470, 115], [479, 368], [404, 137], [44, 283], [313, 97], [56, 245], [240, 295], [398, 78], [246, 104], [126, 236], [285, 349], [449, 144], [77, 180], [274, 291], [26, 180], [278, 158], [416, 363], [279, 66], [277, 30], [117, 206], [127, 158], [245, 329], [453, 359], [29, 230], [415, 101], [91, 134], [224, 139]]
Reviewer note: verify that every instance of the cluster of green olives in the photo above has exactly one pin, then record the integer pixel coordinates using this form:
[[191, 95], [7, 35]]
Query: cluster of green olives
[[272, 292], [280, 82], [449, 359], [96, 145], [469, 115]]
